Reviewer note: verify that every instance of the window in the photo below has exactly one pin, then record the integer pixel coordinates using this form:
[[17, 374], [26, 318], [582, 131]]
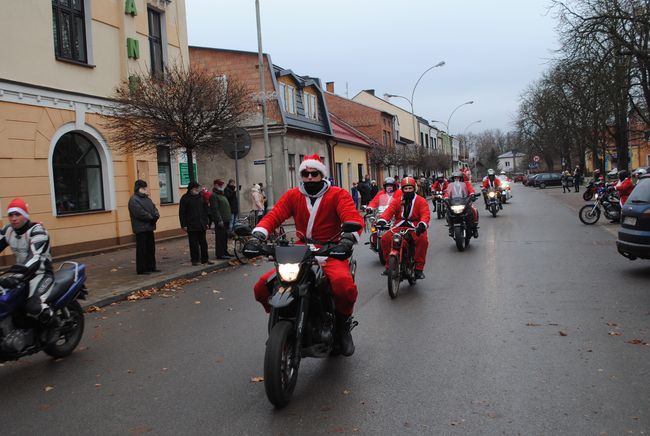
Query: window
[[507, 164], [165, 174], [360, 171], [292, 170], [291, 100], [426, 139], [421, 138], [305, 103], [77, 169], [69, 29], [155, 42], [282, 96]]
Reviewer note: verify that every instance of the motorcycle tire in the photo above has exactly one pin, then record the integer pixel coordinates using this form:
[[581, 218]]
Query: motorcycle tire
[[587, 216], [71, 331], [380, 253], [439, 213], [394, 276], [588, 195], [494, 210], [279, 377], [238, 248], [459, 238]]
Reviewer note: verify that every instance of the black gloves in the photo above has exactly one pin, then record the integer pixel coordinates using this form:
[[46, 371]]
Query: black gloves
[[421, 228], [382, 223], [259, 235], [11, 280], [369, 210], [343, 250]]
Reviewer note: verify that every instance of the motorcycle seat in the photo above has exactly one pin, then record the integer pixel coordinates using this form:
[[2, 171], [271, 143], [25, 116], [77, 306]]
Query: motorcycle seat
[[63, 279]]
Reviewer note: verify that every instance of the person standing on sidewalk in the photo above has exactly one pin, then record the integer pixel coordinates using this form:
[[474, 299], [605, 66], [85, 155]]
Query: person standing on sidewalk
[[220, 212], [230, 191], [193, 215], [258, 201], [565, 181], [577, 176], [144, 216]]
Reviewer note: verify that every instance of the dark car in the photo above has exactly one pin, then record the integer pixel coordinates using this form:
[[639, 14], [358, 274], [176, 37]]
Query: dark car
[[529, 180], [634, 234], [548, 179]]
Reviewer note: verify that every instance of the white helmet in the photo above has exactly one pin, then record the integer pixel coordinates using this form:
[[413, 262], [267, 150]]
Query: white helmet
[[639, 172], [490, 172]]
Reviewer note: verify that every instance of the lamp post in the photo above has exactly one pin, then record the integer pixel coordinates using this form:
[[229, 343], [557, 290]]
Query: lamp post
[[441, 122], [268, 167], [470, 125], [449, 132]]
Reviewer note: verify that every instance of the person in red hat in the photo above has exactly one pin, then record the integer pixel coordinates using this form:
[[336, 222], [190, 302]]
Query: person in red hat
[[30, 243], [318, 210], [411, 211]]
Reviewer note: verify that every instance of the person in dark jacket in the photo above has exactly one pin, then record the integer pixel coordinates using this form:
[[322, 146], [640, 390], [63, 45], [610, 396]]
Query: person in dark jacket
[[230, 191], [193, 214], [220, 213], [144, 216], [577, 177], [374, 189], [364, 190]]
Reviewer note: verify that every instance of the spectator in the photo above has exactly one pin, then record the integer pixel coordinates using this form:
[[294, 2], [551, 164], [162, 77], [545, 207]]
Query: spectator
[[144, 216], [565, 181], [354, 191], [220, 211], [258, 202], [230, 192], [577, 178], [364, 190], [263, 192], [193, 215], [206, 197], [374, 189]]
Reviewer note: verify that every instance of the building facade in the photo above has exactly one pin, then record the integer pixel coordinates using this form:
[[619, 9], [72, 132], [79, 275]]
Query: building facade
[[55, 90], [350, 150]]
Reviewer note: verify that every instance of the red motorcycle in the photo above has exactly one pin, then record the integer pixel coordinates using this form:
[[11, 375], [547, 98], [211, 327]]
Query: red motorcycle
[[401, 260]]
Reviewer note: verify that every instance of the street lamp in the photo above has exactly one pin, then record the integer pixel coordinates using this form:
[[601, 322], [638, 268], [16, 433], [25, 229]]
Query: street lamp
[[471, 124], [415, 134], [441, 122], [449, 132]]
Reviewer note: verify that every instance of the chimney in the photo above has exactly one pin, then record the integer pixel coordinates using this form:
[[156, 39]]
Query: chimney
[[329, 86], [370, 91]]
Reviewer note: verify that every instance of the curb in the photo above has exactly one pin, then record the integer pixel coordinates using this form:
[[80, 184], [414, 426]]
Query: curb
[[121, 294]]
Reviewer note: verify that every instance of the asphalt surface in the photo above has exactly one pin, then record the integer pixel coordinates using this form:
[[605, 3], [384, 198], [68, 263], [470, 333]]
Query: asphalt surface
[[526, 332]]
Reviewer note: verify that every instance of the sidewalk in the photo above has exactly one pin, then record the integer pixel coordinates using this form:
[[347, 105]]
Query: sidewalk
[[111, 275]]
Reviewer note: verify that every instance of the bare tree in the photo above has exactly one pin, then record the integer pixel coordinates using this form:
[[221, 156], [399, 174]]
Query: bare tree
[[187, 109]]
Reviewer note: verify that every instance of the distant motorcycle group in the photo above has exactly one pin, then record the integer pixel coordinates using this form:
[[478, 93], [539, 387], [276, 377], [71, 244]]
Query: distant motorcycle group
[[609, 198]]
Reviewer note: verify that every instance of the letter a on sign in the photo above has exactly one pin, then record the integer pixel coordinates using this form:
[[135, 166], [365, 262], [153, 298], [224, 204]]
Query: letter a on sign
[[133, 48], [129, 7]]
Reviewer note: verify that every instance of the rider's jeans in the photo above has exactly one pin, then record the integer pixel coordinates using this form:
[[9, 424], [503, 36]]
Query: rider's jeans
[[421, 246], [344, 289]]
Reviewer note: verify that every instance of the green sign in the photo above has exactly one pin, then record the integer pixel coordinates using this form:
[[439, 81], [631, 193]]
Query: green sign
[[129, 8], [185, 174], [133, 48]]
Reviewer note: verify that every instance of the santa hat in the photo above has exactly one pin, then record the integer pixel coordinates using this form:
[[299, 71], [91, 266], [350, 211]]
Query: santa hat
[[18, 205], [313, 161]]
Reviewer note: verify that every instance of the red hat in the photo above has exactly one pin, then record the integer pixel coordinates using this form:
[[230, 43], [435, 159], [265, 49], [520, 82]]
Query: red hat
[[406, 181], [313, 161], [218, 182], [18, 205]]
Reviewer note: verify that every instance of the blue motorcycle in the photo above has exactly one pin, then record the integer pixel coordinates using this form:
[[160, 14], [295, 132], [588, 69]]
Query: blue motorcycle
[[22, 335]]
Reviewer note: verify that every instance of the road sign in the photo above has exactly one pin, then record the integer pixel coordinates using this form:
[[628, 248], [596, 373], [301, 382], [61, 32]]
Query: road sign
[[259, 162], [533, 165], [237, 143], [536, 159]]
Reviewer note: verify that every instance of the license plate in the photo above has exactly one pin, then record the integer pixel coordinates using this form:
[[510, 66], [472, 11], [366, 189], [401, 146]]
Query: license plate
[[629, 220]]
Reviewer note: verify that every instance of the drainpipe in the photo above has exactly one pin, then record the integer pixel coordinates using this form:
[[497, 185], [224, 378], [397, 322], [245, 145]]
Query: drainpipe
[[330, 152]]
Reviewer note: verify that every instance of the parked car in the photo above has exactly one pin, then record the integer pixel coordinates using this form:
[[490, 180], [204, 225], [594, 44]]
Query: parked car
[[634, 234], [548, 179], [518, 177], [529, 180]]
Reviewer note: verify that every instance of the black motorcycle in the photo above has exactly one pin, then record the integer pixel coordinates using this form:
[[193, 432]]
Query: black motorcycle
[[458, 220], [606, 199], [375, 233], [439, 204], [591, 189], [302, 318], [492, 201]]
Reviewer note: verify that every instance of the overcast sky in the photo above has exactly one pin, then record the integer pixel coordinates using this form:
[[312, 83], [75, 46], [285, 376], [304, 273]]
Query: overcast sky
[[492, 49]]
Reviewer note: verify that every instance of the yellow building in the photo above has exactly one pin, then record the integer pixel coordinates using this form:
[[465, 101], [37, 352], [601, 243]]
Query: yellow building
[[350, 154], [66, 59]]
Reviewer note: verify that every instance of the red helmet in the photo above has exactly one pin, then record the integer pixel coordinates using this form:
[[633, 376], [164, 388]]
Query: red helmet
[[408, 181]]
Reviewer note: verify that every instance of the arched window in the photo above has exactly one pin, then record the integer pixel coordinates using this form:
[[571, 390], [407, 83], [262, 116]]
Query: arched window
[[77, 171]]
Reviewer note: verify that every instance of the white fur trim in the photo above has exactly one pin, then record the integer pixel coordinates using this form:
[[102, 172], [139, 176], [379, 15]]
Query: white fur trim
[[19, 210], [312, 163], [262, 230], [312, 214]]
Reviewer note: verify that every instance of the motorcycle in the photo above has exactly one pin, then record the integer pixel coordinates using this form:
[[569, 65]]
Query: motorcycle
[[375, 232], [22, 335], [493, 201], [439, 205], [458, 221], [302, 319], [401, 260], [606, 199], [591, 189]]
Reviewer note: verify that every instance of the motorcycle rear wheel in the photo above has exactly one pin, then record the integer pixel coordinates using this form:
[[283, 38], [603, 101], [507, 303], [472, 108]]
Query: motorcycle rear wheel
[[279, 375], [459, 238], [71, 337], [238, 248], [587, 216], [394, 276], [494, 210]]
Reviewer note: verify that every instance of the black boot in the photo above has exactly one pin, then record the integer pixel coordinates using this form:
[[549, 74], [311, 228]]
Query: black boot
[[344, 325]]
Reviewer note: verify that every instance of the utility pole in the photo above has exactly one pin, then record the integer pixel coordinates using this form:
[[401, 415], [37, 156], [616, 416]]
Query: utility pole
[[268, 165]]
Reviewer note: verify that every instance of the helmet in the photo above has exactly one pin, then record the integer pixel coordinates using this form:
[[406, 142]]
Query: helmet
[[622, 175], [389, 181], [408, 181], [490, 172], [503, 173], [639, 172], [457, 174]]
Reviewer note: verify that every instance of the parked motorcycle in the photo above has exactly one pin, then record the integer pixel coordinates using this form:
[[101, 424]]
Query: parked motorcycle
[[606, 199], [302, 318], [401, 260], [439, 204], [22, 335], [493, 201], [375, 232], [591, 189], [458, 220]]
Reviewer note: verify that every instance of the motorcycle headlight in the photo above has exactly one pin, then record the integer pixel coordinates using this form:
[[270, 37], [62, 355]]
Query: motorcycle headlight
[[459, 208], [505, 185], [373, 229], [595, 196], [288, 272], [491, 194]]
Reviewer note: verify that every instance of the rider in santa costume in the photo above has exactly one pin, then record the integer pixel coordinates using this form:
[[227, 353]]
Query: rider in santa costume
[[318, 210], [410, 211]]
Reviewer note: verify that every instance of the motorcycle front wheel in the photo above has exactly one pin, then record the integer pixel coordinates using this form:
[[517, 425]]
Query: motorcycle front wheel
[[238, 248], [588, 195], [459, 238], [439, 213], [493, 210], [280, 376], [71, 331], [394, 276], [589, 214]]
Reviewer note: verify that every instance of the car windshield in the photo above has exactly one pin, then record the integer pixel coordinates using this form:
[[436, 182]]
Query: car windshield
[[641, 193]]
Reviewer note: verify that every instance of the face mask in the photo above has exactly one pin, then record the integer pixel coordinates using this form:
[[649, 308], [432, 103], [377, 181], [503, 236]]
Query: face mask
[[143, 191], [194, 192], [409, 196], [313, 188], [389, 189]]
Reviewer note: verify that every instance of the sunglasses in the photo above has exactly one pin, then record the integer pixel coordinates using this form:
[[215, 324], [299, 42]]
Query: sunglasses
[[310, 173], [10, 214]]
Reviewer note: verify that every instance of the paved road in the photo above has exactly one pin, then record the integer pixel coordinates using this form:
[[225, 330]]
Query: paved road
[[474, 349]]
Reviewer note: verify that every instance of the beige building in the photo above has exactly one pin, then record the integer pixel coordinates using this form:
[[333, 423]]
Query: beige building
[[55, 83]]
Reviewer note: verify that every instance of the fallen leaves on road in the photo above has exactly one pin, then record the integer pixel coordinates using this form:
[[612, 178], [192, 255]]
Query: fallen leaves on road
[[612, 324], [613, 333], [532, 324], [234, 262], [346, 392], [113, 269], [141, 295], [257, 379], [91, 309], [48, 388], [171, 286], [197, 302], [637, 342], [204, 273], [563, 333]]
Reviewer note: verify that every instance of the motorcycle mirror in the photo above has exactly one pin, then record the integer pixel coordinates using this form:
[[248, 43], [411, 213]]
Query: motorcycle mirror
[[242, 230], [350, 227], [363, 208]]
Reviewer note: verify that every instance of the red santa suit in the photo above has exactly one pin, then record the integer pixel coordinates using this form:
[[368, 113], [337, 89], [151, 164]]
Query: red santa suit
[[437, 186], [462, 190], [496, 183], [383, 199], [418, 212], [624, 189], [317, 218]]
